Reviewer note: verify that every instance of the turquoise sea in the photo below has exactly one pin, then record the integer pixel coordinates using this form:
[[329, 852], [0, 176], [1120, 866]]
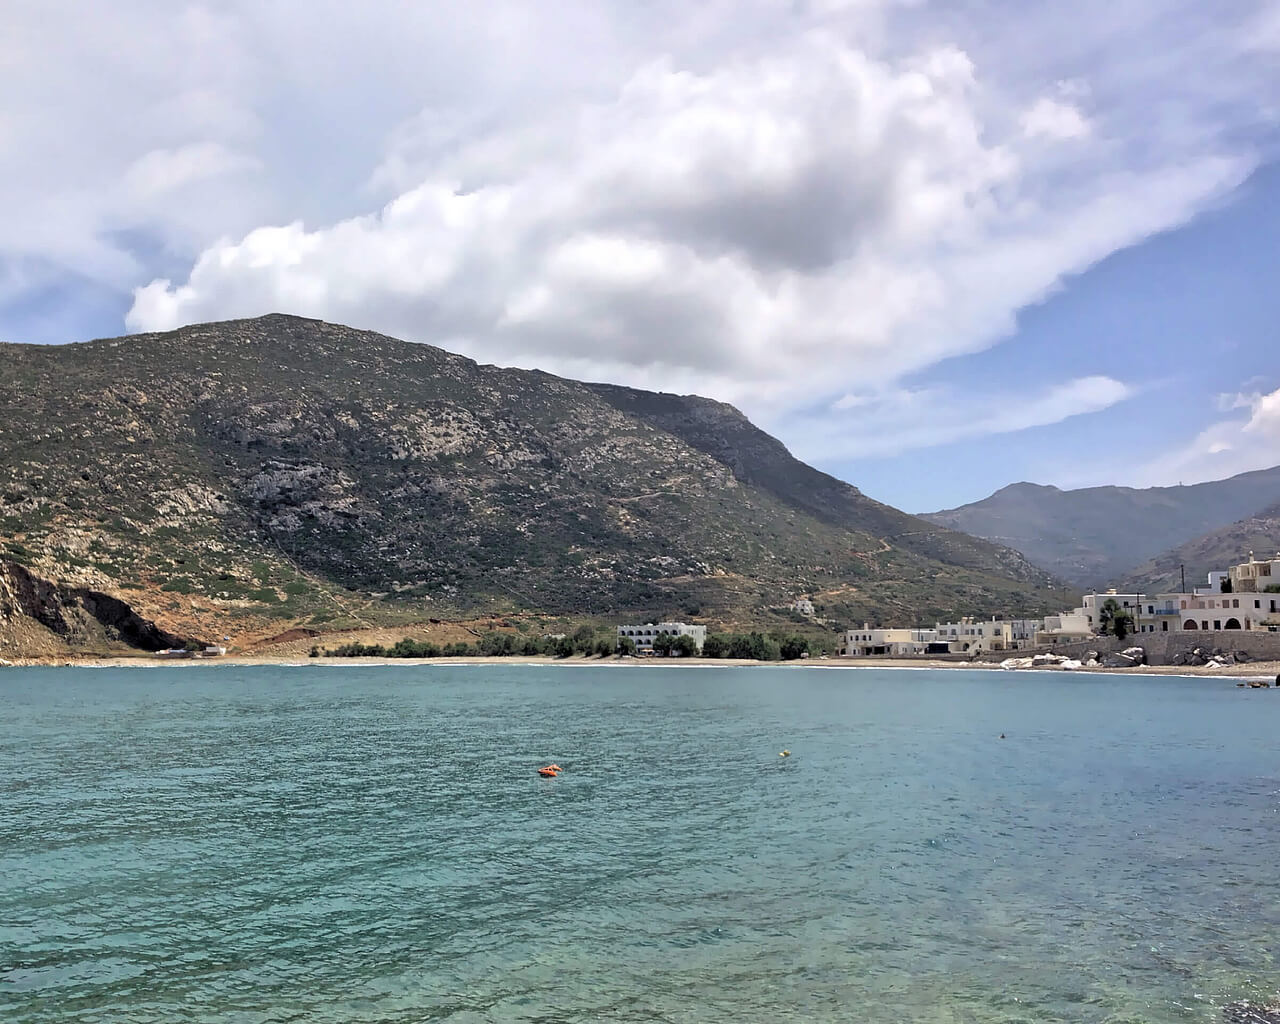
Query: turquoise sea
[[330, 843]]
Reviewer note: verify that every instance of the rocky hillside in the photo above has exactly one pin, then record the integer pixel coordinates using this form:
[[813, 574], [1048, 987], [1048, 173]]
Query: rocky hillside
[[1095, 536], [1217, 550], [256, 475]]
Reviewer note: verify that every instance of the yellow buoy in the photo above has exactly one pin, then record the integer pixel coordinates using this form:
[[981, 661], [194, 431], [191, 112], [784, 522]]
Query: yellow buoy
[[785, 753]]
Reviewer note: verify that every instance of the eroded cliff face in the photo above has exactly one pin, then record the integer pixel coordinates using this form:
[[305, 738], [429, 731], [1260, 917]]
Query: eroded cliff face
[[39, 616]]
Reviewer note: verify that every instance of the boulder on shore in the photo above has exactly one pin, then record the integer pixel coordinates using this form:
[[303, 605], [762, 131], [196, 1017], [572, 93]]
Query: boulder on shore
[[1127, 658], [1206, 656]]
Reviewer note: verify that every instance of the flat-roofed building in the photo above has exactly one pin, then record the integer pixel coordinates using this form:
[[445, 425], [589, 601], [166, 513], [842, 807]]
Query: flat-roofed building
[[973, 635], [890, 642], [643, 636]]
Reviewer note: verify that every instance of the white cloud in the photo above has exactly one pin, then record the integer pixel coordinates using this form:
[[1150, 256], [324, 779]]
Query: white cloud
[[1230, 446], [729, 230], [162, 170], [902, 420], [1053, 119], [762, 200]]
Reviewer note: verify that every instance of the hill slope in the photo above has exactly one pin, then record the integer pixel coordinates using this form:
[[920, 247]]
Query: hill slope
[[1094, 536], [1219, 549], [266, 473]]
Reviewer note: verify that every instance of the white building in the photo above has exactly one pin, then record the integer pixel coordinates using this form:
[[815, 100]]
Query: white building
[[970, 635], [1255, 575], [1092, 604], [1160, 613], [1206, 609], [1246, 610], [893, 642], [1024, 631], [1064, 628], [802, 606], [644, 635], [1216, 580]]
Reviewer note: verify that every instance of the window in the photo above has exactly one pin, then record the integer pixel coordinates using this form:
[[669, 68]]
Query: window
[[1235, 602], [1217, 623], [1204, 623], [1257, 604]]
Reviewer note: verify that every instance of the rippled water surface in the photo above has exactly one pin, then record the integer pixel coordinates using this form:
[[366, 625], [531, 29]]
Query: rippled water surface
[[339, 844]]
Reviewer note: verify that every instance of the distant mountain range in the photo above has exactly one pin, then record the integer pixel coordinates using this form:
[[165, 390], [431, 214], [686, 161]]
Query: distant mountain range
[[1101, 536], [283, 473], [1219, 549]]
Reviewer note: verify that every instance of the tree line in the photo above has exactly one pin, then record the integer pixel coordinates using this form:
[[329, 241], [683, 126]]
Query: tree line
[[584, 642]]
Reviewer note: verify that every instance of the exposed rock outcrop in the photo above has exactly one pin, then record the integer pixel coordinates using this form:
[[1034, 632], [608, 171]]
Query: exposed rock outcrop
[[74, 615]]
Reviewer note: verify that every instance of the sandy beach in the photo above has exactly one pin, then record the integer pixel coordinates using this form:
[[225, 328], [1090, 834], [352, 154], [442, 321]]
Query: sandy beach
[[1253, 671]]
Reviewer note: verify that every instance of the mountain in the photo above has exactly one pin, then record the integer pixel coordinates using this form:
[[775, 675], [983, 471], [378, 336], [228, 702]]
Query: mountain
[[1094, 536], [1219, 549], [267, 474]]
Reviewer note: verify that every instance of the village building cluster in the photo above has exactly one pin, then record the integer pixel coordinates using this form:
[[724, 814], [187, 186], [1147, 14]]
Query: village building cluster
[[1244, 597]]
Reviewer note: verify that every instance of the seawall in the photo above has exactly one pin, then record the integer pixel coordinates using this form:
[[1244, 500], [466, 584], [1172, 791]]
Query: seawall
[[1162, 648]]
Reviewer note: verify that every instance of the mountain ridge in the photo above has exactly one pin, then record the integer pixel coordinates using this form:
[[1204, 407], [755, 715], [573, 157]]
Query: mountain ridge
[[280, 472], [1216, 550], [1096, 536]]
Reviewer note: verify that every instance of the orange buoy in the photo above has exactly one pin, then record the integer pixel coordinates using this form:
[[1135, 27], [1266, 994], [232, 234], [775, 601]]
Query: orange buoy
[[548, 771]]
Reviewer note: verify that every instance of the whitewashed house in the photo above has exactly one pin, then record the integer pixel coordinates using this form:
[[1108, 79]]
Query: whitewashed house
[[970, 636], [644, 635], [891, 642]]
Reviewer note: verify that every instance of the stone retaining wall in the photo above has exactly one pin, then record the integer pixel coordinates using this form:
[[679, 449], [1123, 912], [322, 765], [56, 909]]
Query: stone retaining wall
[[1162, 648]]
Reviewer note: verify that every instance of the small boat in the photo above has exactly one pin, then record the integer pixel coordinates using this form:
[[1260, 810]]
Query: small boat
[[549, 771]]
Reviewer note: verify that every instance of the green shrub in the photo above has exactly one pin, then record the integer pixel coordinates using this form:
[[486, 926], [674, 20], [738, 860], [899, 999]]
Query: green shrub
[[685, 647], [407, 648], [357, 650], [794, 647]]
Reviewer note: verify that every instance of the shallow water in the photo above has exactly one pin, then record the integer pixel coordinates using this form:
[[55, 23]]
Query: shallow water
[[339, 844]]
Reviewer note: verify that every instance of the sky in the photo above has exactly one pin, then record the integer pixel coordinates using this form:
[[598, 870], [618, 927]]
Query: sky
[[936, 248]]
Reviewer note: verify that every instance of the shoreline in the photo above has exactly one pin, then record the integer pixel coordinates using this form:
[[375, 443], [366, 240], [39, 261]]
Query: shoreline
[[1254, 671]]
